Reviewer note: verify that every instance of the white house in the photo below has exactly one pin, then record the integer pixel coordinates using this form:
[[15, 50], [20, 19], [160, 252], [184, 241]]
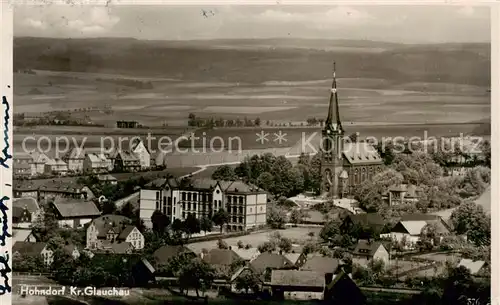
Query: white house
[[74, 213], [56, 166], [96, 163], [108, 229], [139, 149]]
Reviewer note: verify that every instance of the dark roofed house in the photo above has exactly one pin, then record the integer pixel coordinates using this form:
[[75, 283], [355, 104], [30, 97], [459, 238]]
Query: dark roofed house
[[367, 250], [37, 249], [24, 211], [166, 253], [74, 213], [266, 262], [371, 224], [297, 285], [322, 264], [125, 160], [222, 260], [111, 229], [343, 290]]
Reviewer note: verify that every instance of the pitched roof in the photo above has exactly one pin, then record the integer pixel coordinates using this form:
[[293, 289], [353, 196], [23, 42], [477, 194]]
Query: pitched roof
[[28, 249], [110, 221], [75, 153], [76, 208], [297, 278], [127, 155], [246, 254], [163, 254], [366, 248], [321, 264], [370, 219], [413, 227], [270, 260], [223, 257], [20, 234], [473, 266], [29, 203], [442, 227], [361, 153], [239, 186], [292, 257], [125, 232], [96, 158], [106, 177]]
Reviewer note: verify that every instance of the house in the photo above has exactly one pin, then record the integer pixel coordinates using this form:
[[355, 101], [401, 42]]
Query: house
[[371, 224], [96, 163], [37, 249], [473, 266], [38, 163], [402, 194], [107, 179], [177, 198], [343, 290], [21, 170], [126, 161], [297, 285], [266, 262], [327, 266], [220, 257], [245, 254], [110, 229], [166, 253], [54, 188], [24, 211], [74, 213], [141, 151], [56, 167], [408, 229], [368, 250], [74, 158], [23, 235]]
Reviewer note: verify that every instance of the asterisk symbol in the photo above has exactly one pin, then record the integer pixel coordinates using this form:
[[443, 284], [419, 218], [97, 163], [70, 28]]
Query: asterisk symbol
[[280, 137], [262, 137]]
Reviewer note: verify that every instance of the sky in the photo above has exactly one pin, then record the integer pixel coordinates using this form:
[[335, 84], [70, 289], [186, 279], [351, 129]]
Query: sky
[[403, 24]]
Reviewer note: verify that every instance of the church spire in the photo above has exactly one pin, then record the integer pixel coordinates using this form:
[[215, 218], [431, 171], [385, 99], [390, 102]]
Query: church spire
[[333, 119]]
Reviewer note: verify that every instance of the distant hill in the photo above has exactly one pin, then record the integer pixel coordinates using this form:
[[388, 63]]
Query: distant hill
[[259, 60]]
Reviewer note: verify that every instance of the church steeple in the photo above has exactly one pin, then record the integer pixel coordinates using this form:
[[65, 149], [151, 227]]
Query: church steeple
[[333, 119]]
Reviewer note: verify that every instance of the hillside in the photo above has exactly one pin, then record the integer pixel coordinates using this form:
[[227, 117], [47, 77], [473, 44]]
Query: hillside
[[256, 61]]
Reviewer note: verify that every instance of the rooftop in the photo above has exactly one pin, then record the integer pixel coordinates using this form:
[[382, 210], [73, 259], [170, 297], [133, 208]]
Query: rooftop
[[297, 278], [72, 208]]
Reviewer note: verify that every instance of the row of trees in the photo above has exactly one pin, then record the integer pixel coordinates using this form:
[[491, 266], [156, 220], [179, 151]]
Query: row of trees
[[211, 122], [276, 174]]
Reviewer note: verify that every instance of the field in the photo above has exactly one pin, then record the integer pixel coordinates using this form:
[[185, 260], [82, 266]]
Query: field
[[297, 235]]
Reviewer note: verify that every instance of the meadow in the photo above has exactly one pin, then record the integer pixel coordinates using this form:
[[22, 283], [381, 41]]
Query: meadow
[[298, 236]]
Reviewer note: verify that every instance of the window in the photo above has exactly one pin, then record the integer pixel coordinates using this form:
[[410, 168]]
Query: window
[[234, 218], [164, 199], [228, 199], [157, 205], [175, 200], [241, 199], [194, 206], [241, 210], [261, 209], [183, 215], [217, 192], [169, 200], [189, 205], [250, 210], [195, 197], [183, 206], [157, 195], [220, 203], [183, 196], [165, 209], [189, 196]]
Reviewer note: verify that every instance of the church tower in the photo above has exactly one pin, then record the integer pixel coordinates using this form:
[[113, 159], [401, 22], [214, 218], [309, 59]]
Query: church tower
[[332, 147]]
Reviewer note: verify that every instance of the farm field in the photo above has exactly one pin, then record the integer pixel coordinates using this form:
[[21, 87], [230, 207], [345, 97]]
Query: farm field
[[297, 235]]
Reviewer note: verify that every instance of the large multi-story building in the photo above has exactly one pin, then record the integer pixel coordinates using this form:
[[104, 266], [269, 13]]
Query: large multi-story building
[[245, 204]]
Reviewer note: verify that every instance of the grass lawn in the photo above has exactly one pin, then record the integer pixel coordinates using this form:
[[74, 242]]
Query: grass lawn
[[297, 235]]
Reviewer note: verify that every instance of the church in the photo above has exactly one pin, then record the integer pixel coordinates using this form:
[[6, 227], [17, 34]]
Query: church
[[344, 165]]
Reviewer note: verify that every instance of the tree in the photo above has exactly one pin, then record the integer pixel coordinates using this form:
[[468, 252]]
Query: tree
[[160, 221], [108, 207], [240, 244], [354, 137], [257, 122], [197, 275], [46, 224], [476, 181], [220, 218], [221, 244], [265, 181], [296, 216], [276, 217], [206, 224], [267, 246], [248, 281], [191, 225], [428, 236], [370, 193], [331, 233], [469, 218], [285, 244], [224, 172]]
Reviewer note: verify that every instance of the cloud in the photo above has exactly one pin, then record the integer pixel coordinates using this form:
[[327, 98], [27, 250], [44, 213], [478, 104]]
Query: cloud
[[341, 15], [36, 24]]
